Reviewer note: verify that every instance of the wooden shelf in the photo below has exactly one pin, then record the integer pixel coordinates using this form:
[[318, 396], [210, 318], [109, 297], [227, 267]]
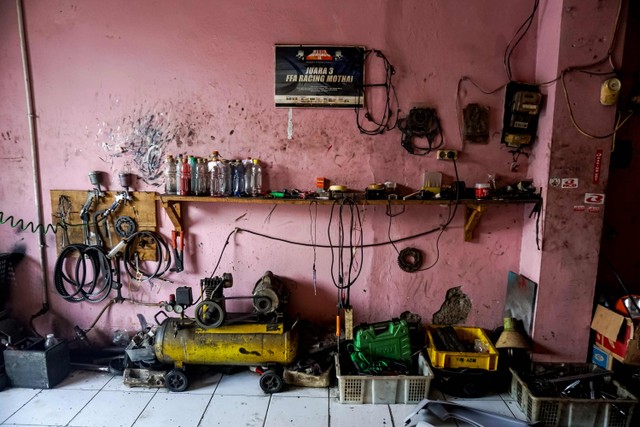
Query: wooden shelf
[[473, 211]]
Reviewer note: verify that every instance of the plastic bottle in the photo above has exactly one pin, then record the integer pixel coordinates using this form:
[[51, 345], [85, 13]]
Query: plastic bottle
[[185, 178], [50, 341], [178, 165], [202, 180], [224, 178], [193, 162], [171, 177], [248, 176], [214, 176], [238, 178], [256, 177]]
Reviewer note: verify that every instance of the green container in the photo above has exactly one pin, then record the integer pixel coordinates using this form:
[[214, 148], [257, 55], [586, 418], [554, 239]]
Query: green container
[[385, 340]]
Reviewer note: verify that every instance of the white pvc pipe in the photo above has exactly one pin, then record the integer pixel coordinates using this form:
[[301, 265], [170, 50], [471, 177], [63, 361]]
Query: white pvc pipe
[[33, 138]]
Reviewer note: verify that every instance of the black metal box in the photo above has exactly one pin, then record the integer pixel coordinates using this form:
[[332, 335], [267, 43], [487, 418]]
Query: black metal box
[[33, 366]]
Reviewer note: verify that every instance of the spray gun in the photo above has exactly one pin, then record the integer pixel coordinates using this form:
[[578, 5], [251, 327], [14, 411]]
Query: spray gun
[[120, 198], [95, 177], [125, 182]]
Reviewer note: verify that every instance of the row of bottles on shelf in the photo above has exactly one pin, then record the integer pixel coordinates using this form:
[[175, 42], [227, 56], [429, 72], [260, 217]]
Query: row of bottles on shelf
[[196, 176]]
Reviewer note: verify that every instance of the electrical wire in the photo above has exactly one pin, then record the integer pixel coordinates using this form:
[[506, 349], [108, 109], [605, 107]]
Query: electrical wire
[[222, 252], [313, 229], [343, 279], [575, 123], [519, 34], [386, 123]]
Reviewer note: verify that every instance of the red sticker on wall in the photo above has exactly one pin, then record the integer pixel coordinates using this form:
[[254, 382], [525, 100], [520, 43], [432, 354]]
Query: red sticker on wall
[[597, 166], [594, 198], [579, 208], [594, 209]]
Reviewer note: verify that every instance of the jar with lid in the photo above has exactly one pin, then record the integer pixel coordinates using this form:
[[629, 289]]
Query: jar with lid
[[482, 190]]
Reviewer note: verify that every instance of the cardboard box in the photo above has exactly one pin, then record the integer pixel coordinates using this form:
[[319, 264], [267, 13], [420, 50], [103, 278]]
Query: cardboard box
[[617, 334], [601, 357]]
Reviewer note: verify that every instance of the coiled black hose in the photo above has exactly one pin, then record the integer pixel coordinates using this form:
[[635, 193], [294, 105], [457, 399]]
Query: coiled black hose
[[132, 262], [83, 273]]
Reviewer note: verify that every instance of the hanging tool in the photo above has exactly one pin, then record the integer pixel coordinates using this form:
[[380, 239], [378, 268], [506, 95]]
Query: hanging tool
[[95, 177], [178, 265]]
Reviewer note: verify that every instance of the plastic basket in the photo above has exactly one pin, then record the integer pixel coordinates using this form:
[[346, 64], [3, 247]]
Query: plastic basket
[[456, 359], [565, 411], [385, 389]]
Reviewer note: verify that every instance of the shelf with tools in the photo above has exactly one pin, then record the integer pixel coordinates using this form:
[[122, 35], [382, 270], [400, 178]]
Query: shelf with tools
[[474, 208]]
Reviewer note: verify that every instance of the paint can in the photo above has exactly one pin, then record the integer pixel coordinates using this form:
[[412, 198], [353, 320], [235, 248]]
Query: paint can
[[482, 190], [609, 91]]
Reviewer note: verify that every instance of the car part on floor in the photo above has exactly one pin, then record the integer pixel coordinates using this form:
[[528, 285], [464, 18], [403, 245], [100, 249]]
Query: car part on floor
[[450, 410]]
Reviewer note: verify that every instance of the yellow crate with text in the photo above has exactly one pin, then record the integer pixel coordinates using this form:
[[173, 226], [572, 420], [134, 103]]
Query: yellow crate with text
[[456, 359]]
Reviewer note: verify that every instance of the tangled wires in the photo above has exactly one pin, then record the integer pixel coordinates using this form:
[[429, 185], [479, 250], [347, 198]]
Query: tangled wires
[[348, 265], [386, 122]]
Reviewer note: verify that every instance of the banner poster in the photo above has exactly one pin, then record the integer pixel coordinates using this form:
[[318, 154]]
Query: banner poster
[[319, 76]]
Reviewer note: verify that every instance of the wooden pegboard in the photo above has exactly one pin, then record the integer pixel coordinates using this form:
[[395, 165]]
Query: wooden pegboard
[[142, 209]]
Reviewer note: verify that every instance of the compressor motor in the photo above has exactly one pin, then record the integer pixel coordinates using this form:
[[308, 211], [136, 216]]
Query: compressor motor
[[269, 298]]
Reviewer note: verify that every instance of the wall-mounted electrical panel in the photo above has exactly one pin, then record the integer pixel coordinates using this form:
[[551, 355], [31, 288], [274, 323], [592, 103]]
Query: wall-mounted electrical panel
[[522, 105]]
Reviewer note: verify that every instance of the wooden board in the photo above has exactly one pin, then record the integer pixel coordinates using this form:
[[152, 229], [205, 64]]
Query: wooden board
[[142, 209]]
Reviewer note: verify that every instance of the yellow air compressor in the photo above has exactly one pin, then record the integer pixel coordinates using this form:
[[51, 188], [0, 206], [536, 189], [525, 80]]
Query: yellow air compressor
[[266, 342]]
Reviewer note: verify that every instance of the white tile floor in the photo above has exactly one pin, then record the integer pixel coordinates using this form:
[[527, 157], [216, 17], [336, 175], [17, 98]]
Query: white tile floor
[[94, 399]]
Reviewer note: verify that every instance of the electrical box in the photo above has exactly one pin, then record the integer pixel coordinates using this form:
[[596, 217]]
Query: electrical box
[[522, 107]]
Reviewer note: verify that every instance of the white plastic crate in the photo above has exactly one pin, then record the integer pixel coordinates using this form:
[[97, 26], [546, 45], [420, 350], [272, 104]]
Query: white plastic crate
[[385, 389], [565, 411]]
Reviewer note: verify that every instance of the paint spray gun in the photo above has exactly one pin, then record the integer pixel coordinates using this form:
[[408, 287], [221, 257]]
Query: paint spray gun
[[95, 177]]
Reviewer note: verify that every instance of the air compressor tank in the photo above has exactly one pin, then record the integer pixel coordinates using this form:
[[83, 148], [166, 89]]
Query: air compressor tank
[[180, 342]]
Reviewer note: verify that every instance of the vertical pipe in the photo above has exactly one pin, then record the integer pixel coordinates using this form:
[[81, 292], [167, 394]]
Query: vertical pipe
[[33, 138]]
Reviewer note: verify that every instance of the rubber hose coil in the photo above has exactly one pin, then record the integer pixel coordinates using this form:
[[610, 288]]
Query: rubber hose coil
[[410, 260], [83, 273]]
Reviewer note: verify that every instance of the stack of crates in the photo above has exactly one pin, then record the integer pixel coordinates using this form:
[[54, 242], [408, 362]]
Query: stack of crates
[[461, 370]]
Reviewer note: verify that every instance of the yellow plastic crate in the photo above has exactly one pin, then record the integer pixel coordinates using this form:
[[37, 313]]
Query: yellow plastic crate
[[454, 359]]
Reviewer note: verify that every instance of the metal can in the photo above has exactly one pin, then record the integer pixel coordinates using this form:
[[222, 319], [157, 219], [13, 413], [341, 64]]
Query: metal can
[[482, 190]]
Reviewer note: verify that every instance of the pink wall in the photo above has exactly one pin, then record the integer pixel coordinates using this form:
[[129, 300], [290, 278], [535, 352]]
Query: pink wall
[[205, 73]]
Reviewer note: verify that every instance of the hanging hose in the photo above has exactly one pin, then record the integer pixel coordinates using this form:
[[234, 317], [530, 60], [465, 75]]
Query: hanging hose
[[133, 262], [83, 273]]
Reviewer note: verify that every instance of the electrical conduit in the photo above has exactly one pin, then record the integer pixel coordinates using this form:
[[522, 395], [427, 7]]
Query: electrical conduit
[[33, 138]]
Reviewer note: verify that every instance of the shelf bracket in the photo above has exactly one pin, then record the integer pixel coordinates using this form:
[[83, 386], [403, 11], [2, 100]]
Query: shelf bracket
[[173, 209], [472, 215]]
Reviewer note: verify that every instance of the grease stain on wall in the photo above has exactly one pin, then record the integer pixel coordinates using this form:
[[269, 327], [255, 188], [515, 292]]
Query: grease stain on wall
[[146, 136]]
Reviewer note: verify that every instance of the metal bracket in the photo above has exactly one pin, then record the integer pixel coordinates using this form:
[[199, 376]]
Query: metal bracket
[[472, 215]]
